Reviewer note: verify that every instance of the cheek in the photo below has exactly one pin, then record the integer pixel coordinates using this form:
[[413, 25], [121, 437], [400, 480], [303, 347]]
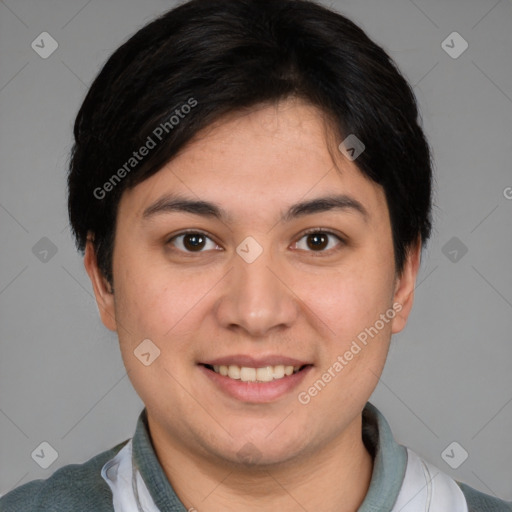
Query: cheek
[[153, 302], [356, 346], [161, 308], [353, 298]]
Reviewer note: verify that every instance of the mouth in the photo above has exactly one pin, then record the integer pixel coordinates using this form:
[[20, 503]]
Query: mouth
[[257, 381], [251, 374]]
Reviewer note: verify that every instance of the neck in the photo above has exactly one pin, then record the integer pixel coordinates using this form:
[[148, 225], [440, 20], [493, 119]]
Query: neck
[[333, 479]]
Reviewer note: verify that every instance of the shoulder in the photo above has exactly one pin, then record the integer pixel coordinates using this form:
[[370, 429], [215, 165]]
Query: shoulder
[[77, 487], [480, 502]]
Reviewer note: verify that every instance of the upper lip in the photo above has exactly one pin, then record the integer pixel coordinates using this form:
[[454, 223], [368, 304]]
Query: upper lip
[[255, 362]]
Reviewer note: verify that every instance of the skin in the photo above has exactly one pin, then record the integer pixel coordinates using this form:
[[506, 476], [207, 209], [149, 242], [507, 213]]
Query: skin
[[294, 299]]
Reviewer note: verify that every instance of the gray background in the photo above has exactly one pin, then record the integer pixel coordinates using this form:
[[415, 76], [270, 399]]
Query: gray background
[[448, 377]]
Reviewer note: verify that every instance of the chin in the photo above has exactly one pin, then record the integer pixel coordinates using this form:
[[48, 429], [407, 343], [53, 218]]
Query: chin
[[260, 451]]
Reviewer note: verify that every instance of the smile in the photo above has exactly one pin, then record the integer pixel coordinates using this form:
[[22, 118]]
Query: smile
[[255, 381], [248, 374]]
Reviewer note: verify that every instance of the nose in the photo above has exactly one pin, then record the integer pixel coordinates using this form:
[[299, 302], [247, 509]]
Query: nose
[[256, 298]]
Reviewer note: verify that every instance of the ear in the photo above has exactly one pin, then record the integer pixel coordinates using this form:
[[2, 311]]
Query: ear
[[404, 287], [102, 289]]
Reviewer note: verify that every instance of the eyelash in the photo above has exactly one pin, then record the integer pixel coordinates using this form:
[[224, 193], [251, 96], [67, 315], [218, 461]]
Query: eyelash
[[340, 239]]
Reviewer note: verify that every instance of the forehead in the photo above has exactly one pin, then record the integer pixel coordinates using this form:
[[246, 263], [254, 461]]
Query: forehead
[[257, 161]]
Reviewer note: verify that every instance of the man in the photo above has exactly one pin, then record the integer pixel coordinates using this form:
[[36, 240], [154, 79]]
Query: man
[[252, 191]]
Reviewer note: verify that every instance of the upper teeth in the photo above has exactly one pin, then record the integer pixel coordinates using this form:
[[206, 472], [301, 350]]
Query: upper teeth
[[246, 374]]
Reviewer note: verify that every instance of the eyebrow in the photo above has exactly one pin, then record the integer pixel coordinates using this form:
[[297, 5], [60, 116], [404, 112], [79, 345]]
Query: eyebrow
[[174, 203]]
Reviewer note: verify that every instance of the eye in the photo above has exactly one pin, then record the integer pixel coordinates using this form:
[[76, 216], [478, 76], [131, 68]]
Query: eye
[[192, 241], [319, 241]]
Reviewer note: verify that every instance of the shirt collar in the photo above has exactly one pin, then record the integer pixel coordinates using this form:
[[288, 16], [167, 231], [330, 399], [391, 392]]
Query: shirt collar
[[389, 464], [145, 459]]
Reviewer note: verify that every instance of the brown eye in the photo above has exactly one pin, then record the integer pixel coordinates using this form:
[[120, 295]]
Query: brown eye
[[319, 241], [192, 242]]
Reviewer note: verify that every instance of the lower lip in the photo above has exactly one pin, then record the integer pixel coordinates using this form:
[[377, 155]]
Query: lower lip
[[256, 392]]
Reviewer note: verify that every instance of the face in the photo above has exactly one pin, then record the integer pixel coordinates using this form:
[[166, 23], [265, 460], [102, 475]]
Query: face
[[259, 251]]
